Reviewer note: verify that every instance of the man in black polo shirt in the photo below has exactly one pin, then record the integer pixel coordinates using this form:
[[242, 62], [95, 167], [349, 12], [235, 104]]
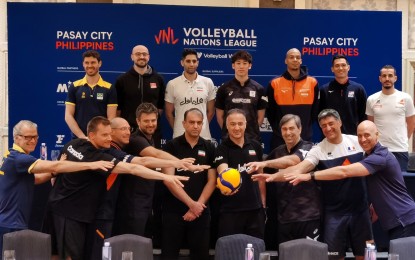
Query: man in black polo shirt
[[74, 200], [244, 93], [185, 212], [135, 200], [243, 211], [298, 206]]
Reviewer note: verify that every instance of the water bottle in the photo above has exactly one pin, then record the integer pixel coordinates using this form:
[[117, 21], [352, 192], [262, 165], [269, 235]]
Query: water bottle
[[43, 152], [370, 252], [249, 252], [106, 251]]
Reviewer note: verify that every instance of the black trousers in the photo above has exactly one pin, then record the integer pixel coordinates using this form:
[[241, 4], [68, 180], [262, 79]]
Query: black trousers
[[196, 233], [250, 222]]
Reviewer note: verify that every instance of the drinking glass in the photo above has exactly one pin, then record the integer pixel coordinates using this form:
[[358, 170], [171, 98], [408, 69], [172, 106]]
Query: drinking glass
[[54, 154]]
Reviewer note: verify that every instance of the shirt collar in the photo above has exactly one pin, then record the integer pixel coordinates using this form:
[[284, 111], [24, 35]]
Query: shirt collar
[[99, 83], [18, 148]]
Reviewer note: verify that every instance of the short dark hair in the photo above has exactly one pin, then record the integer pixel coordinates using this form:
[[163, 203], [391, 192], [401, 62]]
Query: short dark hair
[[193, 109], [188, 52], [241, 55], [91, 53], [146, 108], [328, 112], [388, 67], [235, 111], [336, 57], [95, 122], [289, 117]]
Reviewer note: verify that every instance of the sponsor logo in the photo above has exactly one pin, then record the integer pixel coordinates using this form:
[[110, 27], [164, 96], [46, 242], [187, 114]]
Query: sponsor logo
[[215, 142], [303, 152], [63, 87], [75, 153], [199, 55], [166, 36], [242, 168], [153, 85], [265, 126], [218, 159], [351, 94], [241, 100], [192, 101], [331, 91]]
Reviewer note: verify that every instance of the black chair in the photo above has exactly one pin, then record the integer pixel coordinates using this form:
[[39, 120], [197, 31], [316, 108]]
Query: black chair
[[405, 247], [303, 249], [28, 244], [233, 247], [141, 247]]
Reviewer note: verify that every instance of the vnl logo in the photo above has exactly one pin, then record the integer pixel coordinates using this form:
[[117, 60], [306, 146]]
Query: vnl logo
[[63, 87], [166, 36]]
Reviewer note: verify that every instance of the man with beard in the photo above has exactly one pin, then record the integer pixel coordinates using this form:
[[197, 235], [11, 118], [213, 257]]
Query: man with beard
[[89, 97], [74, 199], [135, 199], [140, 84], [294, 92], [393, 113], [190, 90]]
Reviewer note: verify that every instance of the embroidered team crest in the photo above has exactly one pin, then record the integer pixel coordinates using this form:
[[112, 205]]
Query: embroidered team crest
[[252, 152], [351, 149], [153, 85], [100, 96], [351, 94], [201, 153], [402, 102]]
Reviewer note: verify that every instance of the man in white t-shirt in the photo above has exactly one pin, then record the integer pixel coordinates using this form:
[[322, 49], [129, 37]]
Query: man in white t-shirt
[[189, 90], [393, 113]]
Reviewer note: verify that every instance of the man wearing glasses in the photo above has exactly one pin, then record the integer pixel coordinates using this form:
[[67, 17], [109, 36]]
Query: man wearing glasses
[[19, 172], [140, 84]]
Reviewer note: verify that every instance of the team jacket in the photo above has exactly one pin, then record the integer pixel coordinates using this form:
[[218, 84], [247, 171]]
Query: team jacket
[[287, 95]]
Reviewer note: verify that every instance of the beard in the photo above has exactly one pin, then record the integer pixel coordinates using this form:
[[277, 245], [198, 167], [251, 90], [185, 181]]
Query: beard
[[141, 65]]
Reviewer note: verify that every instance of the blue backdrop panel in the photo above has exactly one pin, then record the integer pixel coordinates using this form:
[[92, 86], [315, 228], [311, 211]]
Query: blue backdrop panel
[[46, 42]]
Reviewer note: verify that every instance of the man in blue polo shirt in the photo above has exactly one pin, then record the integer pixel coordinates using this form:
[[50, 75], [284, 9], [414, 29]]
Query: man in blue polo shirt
[[19, 171], [89, 97], [386, 187]]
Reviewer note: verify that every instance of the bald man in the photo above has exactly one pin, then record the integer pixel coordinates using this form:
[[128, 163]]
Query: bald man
[[140, 84], [386, 187], [294, 92]]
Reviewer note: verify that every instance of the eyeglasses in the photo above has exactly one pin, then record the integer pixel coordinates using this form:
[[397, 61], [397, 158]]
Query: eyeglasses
[[139, 54], [124, 128], [30, 137]]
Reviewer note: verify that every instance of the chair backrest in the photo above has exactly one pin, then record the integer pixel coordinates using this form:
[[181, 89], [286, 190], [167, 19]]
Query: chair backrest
[[303, 249], [28, 244], [141, 247], [405, 247], [233, 247]]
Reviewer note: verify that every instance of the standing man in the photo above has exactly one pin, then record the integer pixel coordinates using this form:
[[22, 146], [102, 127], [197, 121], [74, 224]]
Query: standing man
[[20, 171], [294, 92], [386, 186], [393, 113], [244, 211], [243, 93], [89, 97], [74, 199], [135, 199], [187, 91], [344, 95], [346, 212], [298, 206], [185, 210], [140, 84]]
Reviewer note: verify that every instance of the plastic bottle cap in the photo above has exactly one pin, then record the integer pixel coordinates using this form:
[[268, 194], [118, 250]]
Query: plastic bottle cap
[[107, 244], [249, 245]]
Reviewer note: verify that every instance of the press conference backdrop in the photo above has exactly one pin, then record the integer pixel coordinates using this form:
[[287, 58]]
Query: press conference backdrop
[[46, 42]]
